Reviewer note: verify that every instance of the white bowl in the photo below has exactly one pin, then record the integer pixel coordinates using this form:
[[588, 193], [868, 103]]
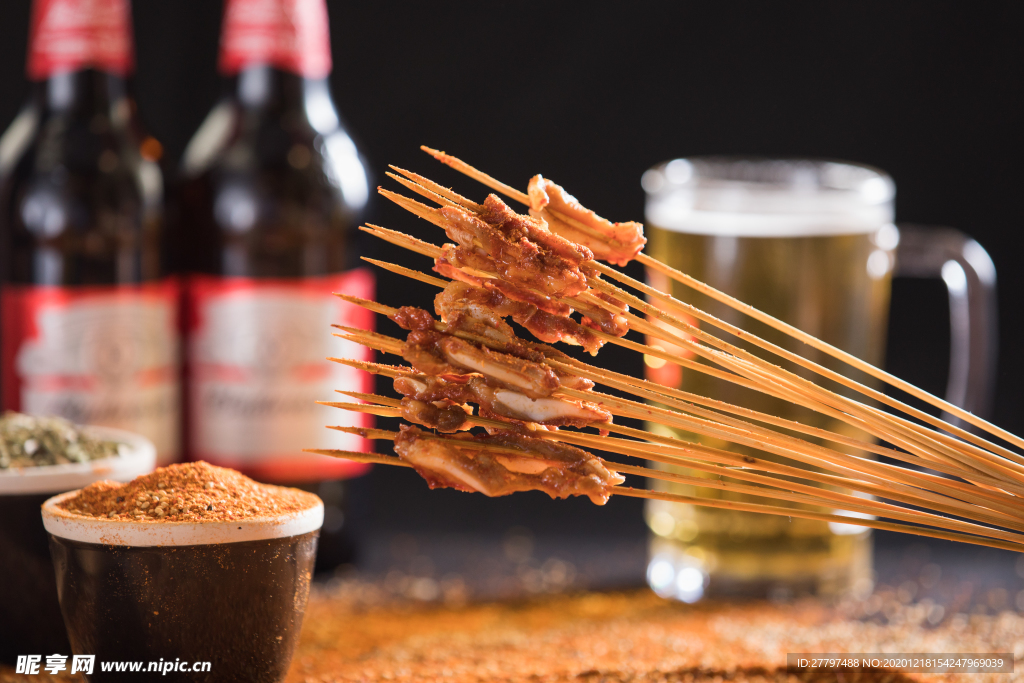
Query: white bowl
[[138, 459]]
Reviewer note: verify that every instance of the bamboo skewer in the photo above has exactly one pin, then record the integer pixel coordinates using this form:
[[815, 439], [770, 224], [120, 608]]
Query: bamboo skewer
[[810, 495], [833, 351], [357, 456], [815, 397], [762, 317], [466, 169], [904, 430], [897, 480], [788, 355], [678, 399], [672, 457], [895, 430], [954, 472], [913, 487], [1003, 504], [764, 433], [684, 449], [847, 405], [971, 491], [806, 514], [809, 454], [991, 537]]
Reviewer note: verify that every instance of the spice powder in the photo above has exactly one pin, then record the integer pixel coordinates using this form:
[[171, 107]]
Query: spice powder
[[188, 492]]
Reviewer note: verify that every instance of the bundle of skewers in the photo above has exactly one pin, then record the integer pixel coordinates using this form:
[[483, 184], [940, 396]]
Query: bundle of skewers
[[538, 414]]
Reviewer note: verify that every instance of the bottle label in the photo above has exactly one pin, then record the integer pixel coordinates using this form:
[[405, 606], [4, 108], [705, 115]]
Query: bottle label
[[257, 365], [100, 355], [68, 35], [291, 35]]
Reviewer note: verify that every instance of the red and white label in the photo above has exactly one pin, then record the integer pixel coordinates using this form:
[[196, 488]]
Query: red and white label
[[292, 35], [96, 355], [257, 365], [68, 35]]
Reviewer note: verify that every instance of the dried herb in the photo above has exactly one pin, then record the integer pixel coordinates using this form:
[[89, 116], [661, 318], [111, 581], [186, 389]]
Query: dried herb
[[27, 441]]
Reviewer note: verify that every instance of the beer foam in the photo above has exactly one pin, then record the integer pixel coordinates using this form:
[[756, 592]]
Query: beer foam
[[662, 214], [102, 531], [767, 198]]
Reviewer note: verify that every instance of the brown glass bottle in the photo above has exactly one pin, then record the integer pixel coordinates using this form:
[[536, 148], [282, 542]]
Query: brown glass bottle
[[271, 191], [90, 329]]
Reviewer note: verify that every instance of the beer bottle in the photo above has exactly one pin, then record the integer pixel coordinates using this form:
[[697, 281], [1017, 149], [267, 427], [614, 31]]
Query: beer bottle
[[90, 327], [271, 193]]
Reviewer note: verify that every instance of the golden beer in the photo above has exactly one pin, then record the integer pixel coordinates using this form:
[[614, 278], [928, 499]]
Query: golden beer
[[811, 243]]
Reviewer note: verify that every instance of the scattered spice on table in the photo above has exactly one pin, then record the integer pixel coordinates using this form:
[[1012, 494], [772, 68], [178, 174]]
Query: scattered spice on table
[[613, 637], [28, 441], [188, 492], [617, 637]]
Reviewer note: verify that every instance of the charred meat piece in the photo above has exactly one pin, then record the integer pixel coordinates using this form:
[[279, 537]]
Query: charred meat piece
[[508, 245], [436, 353], [551, 411], [600, 318], [412, 318], [461, 305], [422, 350], [531, 378], [617, 243], [499, 402], [437, 415], [459, 263], [497, 465], [516, 226], [435, 402]]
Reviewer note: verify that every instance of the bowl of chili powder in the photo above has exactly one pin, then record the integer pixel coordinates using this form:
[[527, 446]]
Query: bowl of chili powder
[[191, 564]]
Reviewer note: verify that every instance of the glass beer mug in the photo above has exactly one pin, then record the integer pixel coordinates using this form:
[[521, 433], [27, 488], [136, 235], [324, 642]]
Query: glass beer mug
[[812, 243]]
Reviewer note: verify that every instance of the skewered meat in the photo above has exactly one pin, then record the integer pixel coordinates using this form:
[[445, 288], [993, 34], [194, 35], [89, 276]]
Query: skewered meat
[[600, 318], [505, 463], [456, 261], [426, 336], [617, 243], [435, 353], [459, 263], [552, 412], [461, 304], [516, 226], [438, 415], [476, 310], [413, 319], [517, 248], [533, 379], [432, 402], [421, 349], [498, 337]]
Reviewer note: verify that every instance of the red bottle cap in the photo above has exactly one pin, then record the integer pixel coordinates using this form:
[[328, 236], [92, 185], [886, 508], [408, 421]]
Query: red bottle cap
[[292, 35], [68, 35]]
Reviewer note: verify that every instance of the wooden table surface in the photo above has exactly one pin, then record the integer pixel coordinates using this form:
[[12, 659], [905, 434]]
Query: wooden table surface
[[633, 636]]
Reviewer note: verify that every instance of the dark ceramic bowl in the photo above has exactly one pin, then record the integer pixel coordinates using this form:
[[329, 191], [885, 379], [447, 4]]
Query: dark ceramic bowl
[[30, 619], [231, 594]]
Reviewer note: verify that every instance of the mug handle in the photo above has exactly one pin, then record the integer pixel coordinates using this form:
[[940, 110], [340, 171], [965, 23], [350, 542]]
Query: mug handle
[[970, 277]]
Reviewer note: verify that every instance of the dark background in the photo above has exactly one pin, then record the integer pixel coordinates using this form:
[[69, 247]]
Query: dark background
[[592, 95]]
